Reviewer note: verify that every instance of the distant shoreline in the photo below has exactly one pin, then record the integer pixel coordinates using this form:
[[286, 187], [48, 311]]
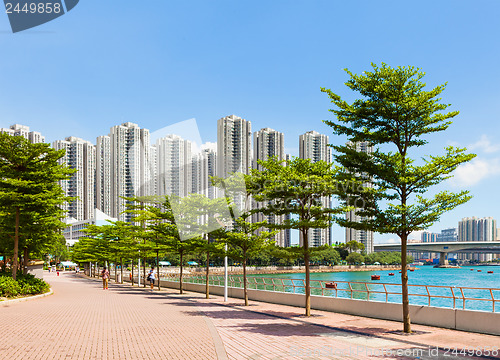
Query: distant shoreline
[[238, 270]]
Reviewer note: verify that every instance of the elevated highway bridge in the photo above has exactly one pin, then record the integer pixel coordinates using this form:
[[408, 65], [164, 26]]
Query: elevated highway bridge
[[443, 248]]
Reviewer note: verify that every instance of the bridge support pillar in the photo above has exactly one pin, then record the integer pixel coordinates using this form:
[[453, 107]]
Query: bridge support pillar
[[442, 259]]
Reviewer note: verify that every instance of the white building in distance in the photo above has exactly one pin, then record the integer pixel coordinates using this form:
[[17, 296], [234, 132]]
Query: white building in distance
[[268, 143], [22, 130], [204, 165], [130, 166], [314, 146], [173, 166], [103, 200], [74, 229], [80, 155], [362, 236], [477, 229], [234, 151]]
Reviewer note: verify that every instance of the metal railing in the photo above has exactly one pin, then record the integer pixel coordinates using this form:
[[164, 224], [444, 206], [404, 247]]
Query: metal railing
[[428, 295]]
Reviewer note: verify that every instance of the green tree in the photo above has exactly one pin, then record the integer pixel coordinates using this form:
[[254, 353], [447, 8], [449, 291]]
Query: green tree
[[297, 189], [394, 114], [197, 217], [246, 238], [28, 184], [326, 255], [355, 258], [354, 245], [245, 241]]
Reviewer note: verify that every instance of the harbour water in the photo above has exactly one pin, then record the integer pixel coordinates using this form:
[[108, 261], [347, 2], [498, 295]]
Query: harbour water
[[450, 278]]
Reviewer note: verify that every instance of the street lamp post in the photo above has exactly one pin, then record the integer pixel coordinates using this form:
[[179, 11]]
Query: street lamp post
[[225, 273], [158, 267]]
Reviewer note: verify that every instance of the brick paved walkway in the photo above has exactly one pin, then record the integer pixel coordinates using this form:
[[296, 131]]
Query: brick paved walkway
[[269, 331], [81, 321]]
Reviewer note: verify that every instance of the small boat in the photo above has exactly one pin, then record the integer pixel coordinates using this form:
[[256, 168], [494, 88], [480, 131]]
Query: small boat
[[471, 269], [400, 272], [331, 285], [479, 270], [391, 274], [375, 277], [412, 269], [490, 272]]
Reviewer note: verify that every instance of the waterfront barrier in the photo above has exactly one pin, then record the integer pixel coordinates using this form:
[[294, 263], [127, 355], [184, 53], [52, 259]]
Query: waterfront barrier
[[466, 298], [375, 300], [485, 322]]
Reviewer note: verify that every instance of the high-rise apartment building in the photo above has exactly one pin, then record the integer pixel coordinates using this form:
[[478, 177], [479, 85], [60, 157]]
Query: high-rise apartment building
[[103, 175], [22, 130], [203, 168], [130, 166], [448, 235], [477, 229], [363, 236], [174, 166], [234, 151], [268, 143], [314, 146], [427, 237], [80, 155]]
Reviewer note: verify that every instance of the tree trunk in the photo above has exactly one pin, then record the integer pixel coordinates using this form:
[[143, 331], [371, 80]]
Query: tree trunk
[[180, 273], [121, 270], [132, 282], [207, 285], [404, 287], [245, 291], [25, 260], [16, 246], [308, 284]]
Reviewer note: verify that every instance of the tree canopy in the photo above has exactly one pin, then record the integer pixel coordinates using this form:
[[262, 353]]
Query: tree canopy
[[30, 196], [394, 114]]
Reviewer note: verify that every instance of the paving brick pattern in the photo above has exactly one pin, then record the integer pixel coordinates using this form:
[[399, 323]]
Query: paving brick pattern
[[268, 331], [81, 321]]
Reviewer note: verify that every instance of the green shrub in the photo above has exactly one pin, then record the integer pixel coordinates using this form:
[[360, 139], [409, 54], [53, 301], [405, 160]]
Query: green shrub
[[25, 285], [9, 287]]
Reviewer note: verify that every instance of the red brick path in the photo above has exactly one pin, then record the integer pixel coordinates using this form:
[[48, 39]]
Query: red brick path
[[82, 321]]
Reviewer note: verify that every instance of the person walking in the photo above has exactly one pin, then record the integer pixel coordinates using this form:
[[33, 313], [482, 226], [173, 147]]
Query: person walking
[[105, 278], [152, 277]]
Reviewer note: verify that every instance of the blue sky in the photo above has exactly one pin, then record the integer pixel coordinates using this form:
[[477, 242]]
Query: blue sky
[[159, 62]]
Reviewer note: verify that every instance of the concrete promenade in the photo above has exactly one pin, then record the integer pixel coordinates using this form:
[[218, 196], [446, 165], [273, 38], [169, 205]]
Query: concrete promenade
[[82, 321]]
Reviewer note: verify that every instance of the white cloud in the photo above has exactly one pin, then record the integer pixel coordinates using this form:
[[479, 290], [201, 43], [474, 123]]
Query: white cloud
[[416, 235], [484, 144], [387, 241], [209, 146], [476, 170]]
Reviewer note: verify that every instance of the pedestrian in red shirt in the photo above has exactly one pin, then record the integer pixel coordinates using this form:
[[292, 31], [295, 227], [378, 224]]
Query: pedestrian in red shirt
[[105, 278]]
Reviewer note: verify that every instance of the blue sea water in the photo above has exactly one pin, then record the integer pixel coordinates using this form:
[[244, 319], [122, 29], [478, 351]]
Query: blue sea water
[[452, 279]]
